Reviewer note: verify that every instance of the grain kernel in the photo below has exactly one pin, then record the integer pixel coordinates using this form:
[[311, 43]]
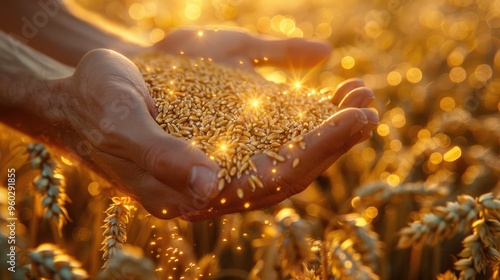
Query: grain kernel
[[239, 192], [209, 104]]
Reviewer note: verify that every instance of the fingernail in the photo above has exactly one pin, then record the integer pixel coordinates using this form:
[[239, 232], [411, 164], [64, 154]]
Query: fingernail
[[359, 124], [204, 180], [371, 116]]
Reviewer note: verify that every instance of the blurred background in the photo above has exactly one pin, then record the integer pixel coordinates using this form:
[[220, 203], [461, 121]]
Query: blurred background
[[432, 65]]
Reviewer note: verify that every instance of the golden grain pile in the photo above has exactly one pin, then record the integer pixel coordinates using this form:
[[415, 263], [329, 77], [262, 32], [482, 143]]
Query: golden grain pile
[[231, 114]]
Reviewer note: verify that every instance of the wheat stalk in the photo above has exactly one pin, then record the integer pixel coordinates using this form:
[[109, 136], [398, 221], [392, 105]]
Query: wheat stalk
[[378, 193], [293, 239], [49, 185], [442, 223], [480, 248], [49, 262], [366, 241], [115, 231]]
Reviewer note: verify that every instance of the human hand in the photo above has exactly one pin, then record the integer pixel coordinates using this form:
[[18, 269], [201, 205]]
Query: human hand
[[351, 125], [111, 114], [242, 49]]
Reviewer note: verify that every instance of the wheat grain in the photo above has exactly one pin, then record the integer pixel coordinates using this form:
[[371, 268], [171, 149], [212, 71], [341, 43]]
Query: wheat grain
[[365, 240], [115, 226], [480, 249], [49, 262], [49, 185], [444, 222], [344, 263], [230, 114]]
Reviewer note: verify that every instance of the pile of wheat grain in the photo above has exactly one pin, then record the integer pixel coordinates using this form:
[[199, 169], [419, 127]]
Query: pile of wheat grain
[[231, 114]]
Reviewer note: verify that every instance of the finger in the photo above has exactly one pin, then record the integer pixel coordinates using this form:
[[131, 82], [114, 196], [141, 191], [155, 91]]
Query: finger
[[359, 97], [344, 88], [294, 52], [283, 179], [362, 135]]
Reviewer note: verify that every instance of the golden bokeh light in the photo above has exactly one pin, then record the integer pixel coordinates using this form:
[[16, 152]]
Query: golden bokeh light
[[156, 35], [447, 103], [383, 130], [414, 75], [393, 180], [398, 118], [457, 74], [287, 26], [348, 62], [371, 212], [455, 58], [436, 158], [136, 11], [453, 154], [94, 188], [394, 78], [424, 135], [192, 11], [323, 30], [483, 72]]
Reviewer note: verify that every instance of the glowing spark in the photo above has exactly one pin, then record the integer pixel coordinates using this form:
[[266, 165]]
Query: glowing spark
[[273, 170], [223, 200], [247, 205], [200, 33], [298, 84], [164, 211], [223, 147]]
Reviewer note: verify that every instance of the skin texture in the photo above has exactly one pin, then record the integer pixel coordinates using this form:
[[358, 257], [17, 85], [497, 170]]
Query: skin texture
[[103, 114]]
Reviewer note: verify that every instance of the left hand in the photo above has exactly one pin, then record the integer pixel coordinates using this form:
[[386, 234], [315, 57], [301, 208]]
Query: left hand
[[243, 49]]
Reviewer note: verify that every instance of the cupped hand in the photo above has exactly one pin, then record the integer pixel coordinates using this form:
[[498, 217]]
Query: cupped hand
[[110, 116], [242, 49], [351, 125]]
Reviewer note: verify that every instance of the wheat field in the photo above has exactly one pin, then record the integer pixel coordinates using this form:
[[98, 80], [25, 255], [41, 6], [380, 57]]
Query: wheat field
[[420, 200]]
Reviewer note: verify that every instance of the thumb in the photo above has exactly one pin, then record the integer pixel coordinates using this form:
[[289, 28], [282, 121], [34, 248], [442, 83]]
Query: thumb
[[172, 161]]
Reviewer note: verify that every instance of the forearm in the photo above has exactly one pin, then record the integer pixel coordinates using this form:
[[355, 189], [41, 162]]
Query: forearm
[[30, 105], [30, 85], [51, 28]]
